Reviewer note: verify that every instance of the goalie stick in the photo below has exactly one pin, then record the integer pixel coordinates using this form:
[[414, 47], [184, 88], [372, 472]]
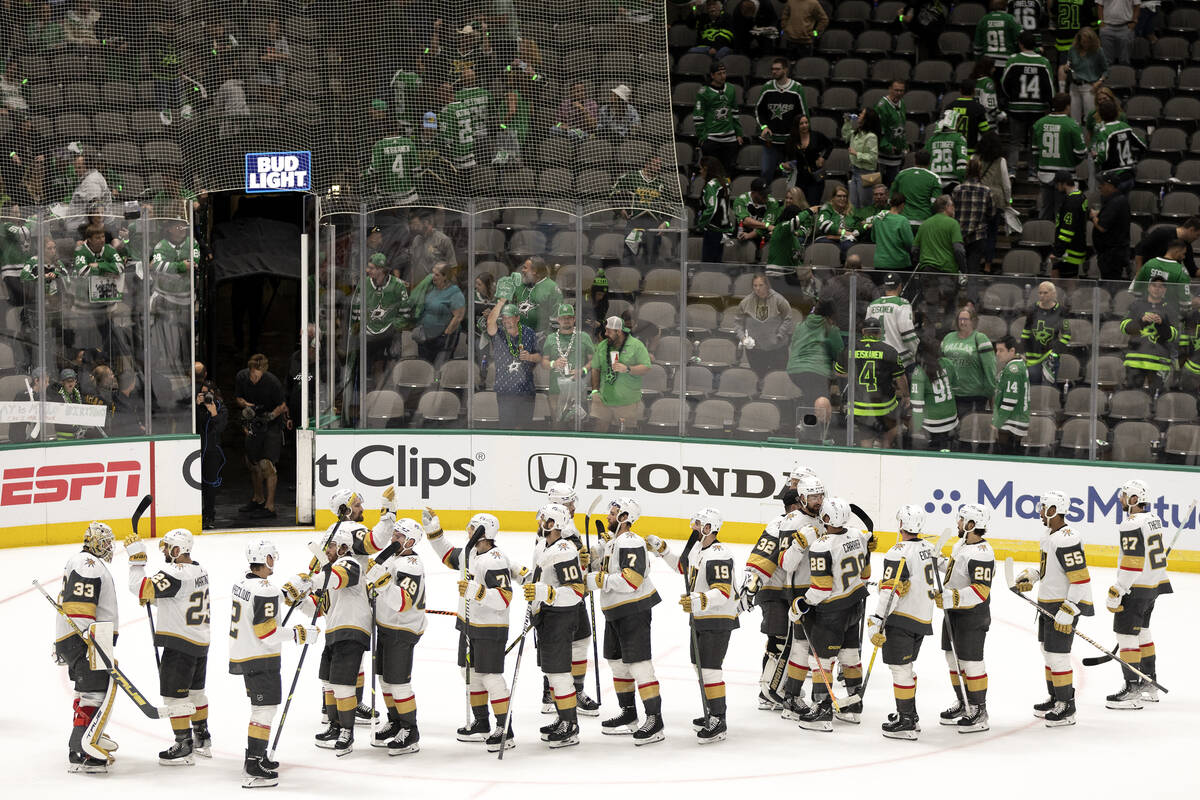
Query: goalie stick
[[133, 523]]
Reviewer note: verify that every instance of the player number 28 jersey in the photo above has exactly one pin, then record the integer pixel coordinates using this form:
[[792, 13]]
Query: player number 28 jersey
[[840, 564]]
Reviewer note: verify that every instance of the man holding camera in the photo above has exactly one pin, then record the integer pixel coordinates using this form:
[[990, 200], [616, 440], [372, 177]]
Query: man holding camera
[[263, 406], [211, 418]]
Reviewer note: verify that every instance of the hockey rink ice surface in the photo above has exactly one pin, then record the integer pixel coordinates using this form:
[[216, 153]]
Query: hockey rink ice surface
[[1106, 755]]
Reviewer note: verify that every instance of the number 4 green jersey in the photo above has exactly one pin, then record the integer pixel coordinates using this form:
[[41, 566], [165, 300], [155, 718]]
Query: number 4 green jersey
[[393, 162], [1011, 403], [877, 367], [1057, 143]]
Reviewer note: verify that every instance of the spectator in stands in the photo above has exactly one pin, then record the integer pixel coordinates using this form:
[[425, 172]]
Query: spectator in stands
[[804, 159], [933, 406], [577, 115], [1146, 17], [975, 210], [1045, 335], [969, 117], [815, 347], [947, 153], [595, 310], [779, 103], [1168, 267], [755, 28], [718, 126], [514, 354], [1010, 405], [939, 240], [68, 392], [94, 283], [512, 116], [429, 246], [986, 93], [1156, 241], [377, 308], [972, 363], [752, 210], [1085, 69], [1116, 147], [996, 33], [1028, 85], [714, 219], [80, 24], [881, 393], [893, 138], [837, 290], [1118, 18], [893, 237], [618, 365], [566, 354], [618, 118], [995, 177], [535, 294], [764, 326], [861, 132], [1110, 231], [441, 318], [92, 193], [835, 220], [12, 96], [1070, 232], [1057, 145], [802, 21], [714, 30], [866, 217], [789, 232], [129, 409], [260, 397], [640, 195], [1150, 323], [927, 20], [920, 187]]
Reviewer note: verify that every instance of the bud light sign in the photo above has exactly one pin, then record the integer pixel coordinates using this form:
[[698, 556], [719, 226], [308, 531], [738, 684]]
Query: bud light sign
[[279, 172]]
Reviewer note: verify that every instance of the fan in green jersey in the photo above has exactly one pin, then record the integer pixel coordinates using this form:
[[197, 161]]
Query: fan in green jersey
[[456, 129], [393, 167], [934, 409], [1057, 145], [1010, 405], [567, 354]]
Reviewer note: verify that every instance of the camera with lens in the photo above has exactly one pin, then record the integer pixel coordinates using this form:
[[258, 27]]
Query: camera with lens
[[255, 420]]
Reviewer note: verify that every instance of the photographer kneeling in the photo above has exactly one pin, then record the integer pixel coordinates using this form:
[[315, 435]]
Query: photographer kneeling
[[264, 406], [211, 419]]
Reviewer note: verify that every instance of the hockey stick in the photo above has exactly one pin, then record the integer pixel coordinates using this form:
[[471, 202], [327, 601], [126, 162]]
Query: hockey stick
[[780, 664], [1012, 587], [688, 586], [825, 679], [133, 523], [587, 540], [937, 575], [149, 709], [512, 689], [892, 601], [1092, 661]]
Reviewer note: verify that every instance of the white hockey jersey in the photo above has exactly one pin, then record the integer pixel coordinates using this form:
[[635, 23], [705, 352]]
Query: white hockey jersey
[[557, 566], [401, 604], [1142, 568], [839, 564], [485, 608], [709, 571], [627, 587], [970, 572], [349, 615], [795, 564], [180, 592], [764, 563], [1064, 571], [914, 611], [89, 595], [254, 636]]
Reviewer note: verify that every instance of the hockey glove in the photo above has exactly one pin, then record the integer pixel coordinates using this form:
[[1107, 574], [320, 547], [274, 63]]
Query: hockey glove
[[595, 581], [388, 504], [901, 588], [799, 608], [872, 543], [1026, 579], [305, 634], [875, 630], [321, 599], [696, 601], [1064, 620], [471, 590], [135, 549], [948, 599], [294, 592], [539, 593], [800, 538], [430, 521], [585, 558], [656, 544], [377, 578], [1113, 602]]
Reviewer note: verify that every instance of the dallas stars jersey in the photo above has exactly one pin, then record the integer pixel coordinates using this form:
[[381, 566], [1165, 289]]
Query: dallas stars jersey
[[180, 592], [840, 564], [1070, 234], [1028, 84], [456, 126], [716, 114], [715, 212], [95, 276], [1011, 404], [538, 303], [914, 611], [996, 36], [934, 408], [988, 96], [920, 188], [1057, 143], [970, 118], [1047, 332], [1029, 14], [1116, 146], [1151, 344], [792, 229], [898, 329], [744, 207], [32, 271], [404, 86], [576, 347], [778, 107], [393, 166], [628, 587], [476, 100], [172, 275], [88, 595], [484, 614], [893, 140], [1172, 272], [558, 567], [1069, 17], [970, 572], [254, 634], [401, 605], [948, 156], [640, 193], [709, 571], [877, 367], [385, 304], [1142, 568], [1064, 572]]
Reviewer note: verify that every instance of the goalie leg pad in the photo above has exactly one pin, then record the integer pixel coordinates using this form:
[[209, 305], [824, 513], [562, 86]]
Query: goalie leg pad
[[95, 743], [100, 635]]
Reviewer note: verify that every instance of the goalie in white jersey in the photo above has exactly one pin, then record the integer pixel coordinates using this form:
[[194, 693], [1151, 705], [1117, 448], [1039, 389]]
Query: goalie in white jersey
[[903, 612], [1065, 591], [1141, 578], [89, 598], [180, 593], [712, 603], [255, 641]]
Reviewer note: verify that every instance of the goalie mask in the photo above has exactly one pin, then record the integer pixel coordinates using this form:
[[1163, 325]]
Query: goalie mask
[[98, 540]]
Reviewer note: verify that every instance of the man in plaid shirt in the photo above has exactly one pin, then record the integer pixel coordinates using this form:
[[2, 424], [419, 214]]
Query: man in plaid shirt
[[974, 208]]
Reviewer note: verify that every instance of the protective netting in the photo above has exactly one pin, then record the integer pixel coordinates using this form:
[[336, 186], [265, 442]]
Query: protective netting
[[441, 103]]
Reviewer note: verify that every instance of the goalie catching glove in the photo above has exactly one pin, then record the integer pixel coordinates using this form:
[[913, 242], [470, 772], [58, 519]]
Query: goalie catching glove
[[1064, 620], [875, 630], [1113, 601], [696, 601]]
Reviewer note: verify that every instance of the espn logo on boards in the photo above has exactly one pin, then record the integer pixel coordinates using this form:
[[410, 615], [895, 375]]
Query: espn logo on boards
[[66, 482], [548, 468]]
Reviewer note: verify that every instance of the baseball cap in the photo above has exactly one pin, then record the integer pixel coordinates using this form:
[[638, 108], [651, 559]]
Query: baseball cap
[[67, 374], [758, 185], [429, 121], [891, 279], [566, 310], [872, 323], [716, 66], [510, 310], [378, 260], [614, 323]]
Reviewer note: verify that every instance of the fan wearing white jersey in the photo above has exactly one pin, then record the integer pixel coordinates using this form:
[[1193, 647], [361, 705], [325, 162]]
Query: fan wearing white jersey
[[255, 641], [903, 612], [712, 605], [180, 593], [1064, 590], [627, 596], [398, 585], [1141, 578], [555, 592], [89, 598], [966, 598], [485, 593], [839, 564], [798, 530]]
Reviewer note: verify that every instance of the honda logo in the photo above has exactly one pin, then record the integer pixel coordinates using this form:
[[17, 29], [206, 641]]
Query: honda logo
[[548, 468]]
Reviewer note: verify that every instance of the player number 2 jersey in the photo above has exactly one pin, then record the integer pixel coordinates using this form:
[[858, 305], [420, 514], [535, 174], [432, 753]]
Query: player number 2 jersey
[[254, 637]]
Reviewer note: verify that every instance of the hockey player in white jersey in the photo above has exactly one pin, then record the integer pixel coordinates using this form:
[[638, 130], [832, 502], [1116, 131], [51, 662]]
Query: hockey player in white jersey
[[627, 595], [798, 530], [398, 583], [180, 593], [564, 495], [556, 591], [1141, 578], [1064, 590], [712, 604], [255, 642], [485, 593], [966, 598], [903, 612], [89, 598]]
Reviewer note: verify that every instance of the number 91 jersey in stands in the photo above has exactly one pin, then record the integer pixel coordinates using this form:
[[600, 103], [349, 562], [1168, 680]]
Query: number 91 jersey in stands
[[1142, 568], [254, 638], [180, 592]]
